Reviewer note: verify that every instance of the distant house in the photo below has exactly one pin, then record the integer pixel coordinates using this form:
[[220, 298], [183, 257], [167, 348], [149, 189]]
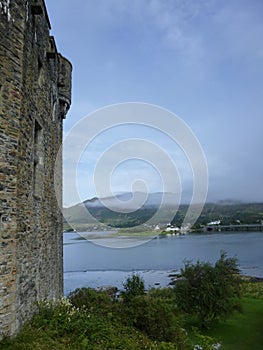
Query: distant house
[[172, 229], [216, 222]]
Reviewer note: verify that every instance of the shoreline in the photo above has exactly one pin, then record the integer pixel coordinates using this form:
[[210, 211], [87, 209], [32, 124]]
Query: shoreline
[[114, 278], [92, 236]]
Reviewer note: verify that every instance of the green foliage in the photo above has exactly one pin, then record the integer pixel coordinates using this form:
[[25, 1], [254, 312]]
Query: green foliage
[[154, 314], [65, 327], [252, 289], [205, 342], [157, 318], [98, 302], [91, 320], [163, 293], [133, 286], [210, 292]]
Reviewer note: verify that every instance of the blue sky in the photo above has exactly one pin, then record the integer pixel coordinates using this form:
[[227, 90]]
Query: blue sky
[[202, 60]]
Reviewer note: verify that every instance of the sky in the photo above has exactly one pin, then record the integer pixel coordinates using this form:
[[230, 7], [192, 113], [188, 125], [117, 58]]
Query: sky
[[202, 60]]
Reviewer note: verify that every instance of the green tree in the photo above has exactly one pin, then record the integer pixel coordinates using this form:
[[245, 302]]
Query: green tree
[[133, 286], [211, 292]]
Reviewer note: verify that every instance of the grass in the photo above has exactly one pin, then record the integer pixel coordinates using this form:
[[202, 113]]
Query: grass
[[120, 234], [242, 331]]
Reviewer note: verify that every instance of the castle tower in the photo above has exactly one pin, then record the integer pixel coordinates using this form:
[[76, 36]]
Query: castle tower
[[35, 94]]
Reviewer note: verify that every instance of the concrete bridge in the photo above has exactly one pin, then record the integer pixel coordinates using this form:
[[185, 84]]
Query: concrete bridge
[[241, 227]]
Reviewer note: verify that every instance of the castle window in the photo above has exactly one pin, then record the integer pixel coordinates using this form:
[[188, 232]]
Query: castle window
[[38, 160]]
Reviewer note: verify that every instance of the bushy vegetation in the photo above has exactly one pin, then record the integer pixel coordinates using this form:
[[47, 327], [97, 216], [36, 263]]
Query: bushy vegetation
[[134, 286], [64, 326], [209, 292], [158, 319], [252, 289], [154, 314]]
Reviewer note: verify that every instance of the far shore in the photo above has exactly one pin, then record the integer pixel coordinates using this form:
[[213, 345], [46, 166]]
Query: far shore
[[108, 234]]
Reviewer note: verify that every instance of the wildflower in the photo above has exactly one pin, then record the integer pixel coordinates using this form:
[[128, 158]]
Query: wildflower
[[198, 347]]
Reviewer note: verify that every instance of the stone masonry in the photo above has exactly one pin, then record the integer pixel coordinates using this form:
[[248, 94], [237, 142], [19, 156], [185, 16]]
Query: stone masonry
[[35, 94]]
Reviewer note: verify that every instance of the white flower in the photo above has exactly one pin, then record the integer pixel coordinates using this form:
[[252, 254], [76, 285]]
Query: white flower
[[198, 347]]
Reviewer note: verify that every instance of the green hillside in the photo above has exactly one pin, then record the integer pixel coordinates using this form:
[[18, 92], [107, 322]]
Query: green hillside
[[230, 213]]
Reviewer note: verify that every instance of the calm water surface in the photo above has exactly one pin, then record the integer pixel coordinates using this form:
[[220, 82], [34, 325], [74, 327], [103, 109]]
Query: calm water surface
[[90, 265]]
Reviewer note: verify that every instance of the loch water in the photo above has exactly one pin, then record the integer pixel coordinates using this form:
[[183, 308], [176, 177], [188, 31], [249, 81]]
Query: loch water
[[87, 264]]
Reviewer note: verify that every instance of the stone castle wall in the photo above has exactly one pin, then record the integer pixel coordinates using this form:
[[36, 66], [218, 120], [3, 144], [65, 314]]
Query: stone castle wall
[[35, 94]]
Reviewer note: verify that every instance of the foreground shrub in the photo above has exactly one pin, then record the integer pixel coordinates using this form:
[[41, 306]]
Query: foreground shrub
[[98, 302], [209, 292], [155, 317], [66, 327]]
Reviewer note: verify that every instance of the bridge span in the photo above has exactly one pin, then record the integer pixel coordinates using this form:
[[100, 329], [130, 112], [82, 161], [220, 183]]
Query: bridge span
[[241, 227]]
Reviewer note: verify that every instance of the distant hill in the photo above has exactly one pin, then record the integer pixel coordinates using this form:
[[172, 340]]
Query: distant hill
[[124, 212], [125, 200], [121, 211]]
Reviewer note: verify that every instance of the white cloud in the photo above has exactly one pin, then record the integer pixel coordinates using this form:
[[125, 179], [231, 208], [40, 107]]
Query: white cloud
[[202, 59], [123, 163]]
